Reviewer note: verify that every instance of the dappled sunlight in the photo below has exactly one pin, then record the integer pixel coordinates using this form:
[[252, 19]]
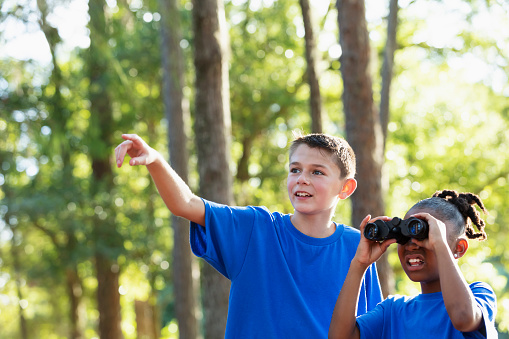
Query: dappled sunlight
[[63, 202]]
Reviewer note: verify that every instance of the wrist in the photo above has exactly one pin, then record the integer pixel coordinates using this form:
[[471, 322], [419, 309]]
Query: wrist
[[359, 265], [155, 160]]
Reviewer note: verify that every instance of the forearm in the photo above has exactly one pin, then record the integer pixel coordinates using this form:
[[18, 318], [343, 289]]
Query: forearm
[[459, 300], [343, 322], [176, 194]]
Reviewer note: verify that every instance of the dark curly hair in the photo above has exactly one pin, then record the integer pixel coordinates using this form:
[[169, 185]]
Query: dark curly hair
[[458, 208]]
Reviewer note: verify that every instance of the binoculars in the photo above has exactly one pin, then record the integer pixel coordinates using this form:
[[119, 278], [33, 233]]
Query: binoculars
[[401, 230]]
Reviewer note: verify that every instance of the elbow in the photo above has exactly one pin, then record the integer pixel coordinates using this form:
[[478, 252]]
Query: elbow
[[335, 332], [466, 326], [466, 322]]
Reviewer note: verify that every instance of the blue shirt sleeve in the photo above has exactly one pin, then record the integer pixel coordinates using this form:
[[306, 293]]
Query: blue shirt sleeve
[[372, 324], [487, 302], [400, 316], [223, 240]]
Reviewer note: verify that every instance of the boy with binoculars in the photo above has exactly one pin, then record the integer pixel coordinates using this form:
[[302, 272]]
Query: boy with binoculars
[[448, 306]]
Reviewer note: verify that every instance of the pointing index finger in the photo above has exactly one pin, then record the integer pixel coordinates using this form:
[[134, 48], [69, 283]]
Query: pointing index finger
[[121, 150]]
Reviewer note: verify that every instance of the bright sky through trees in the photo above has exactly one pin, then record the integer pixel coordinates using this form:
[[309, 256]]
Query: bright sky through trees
[[444, 21]]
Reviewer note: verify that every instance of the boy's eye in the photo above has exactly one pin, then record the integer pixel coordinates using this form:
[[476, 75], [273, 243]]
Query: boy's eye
[[294, 170], [317, 172]]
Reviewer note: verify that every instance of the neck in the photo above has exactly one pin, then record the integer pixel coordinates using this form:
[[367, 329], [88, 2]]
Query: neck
[[430, 287], [316, 226]]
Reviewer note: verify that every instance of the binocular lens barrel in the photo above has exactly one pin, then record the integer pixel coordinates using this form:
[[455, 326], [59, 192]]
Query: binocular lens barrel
[[416, 228], [401, 230]]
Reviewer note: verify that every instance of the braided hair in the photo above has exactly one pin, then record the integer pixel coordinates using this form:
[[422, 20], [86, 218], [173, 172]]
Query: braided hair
[[458, 208]]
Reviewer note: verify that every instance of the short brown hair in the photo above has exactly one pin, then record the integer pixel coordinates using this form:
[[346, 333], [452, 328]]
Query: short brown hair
[[337, 147]]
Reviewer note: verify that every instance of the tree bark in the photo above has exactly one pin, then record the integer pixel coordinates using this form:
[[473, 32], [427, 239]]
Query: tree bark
[[75, 292], [363, 129], [315, 101], [23, 326], [108, 242], [146, 327], [387, 67], [385, 272], [108, 297], [177, 115], [212, 130]]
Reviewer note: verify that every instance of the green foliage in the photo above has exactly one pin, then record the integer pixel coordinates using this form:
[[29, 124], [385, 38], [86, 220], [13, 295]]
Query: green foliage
[[449, 117]]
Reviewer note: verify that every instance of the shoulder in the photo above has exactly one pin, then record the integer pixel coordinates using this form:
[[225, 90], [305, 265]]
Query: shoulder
[[486, 299], [224, 214], [481, 286], [399, 299], [218, 207], [350, 232], [484, 294]]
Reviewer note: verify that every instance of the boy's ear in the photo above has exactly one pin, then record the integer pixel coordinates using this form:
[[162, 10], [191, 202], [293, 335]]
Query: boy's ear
[[348, 188], [461, 248]]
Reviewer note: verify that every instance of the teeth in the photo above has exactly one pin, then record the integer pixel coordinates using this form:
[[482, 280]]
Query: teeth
[[302, 194], [414, 261]]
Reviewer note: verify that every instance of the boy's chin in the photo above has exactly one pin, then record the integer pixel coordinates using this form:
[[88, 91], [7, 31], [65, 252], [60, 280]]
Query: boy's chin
[[414, 274]]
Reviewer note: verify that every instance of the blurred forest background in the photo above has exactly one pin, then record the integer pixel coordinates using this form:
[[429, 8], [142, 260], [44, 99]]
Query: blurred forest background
[[419, 88]]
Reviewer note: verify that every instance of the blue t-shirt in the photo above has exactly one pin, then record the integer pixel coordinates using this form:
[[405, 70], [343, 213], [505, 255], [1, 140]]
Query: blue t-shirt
[[424, 316], [284, 283]]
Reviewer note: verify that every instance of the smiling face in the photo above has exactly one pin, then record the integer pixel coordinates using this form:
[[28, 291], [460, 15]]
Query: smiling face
[[420, 263], [314, 181]]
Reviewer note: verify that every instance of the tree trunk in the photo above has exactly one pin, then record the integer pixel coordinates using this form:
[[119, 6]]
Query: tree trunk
[[23, 327], [315, 100], [212, 130], [108, 242], [363, 129], [108, 298], [75, 291], [384, 270], [146, 327], [175, 112], [387, 68]]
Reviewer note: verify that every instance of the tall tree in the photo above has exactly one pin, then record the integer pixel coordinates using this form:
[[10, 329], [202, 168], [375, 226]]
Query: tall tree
[[212, 133], [385, 271], [23, 325], [107, 240], [315, 100], [176, 113], [388, 65], [363, 128]]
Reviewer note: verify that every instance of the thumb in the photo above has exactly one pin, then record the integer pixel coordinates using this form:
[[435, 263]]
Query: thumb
[[138, 160]]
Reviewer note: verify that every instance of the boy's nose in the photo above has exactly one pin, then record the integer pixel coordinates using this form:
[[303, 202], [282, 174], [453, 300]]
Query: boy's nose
[[303, 179], [411, 244]]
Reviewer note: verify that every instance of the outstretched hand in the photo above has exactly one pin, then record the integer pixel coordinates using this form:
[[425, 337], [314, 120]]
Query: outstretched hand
[[370, 251], [139, 151]]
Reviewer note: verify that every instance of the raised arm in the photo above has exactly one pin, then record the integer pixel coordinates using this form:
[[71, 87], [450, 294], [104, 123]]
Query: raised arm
[[175, 193], [343, 322], [459, 300]]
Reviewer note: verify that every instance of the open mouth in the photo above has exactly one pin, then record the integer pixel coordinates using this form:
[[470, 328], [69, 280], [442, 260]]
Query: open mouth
[[415, 262], [303, 194]]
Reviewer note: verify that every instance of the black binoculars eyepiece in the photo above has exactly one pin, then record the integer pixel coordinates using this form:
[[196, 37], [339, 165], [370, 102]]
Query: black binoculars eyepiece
[[399, 229]]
